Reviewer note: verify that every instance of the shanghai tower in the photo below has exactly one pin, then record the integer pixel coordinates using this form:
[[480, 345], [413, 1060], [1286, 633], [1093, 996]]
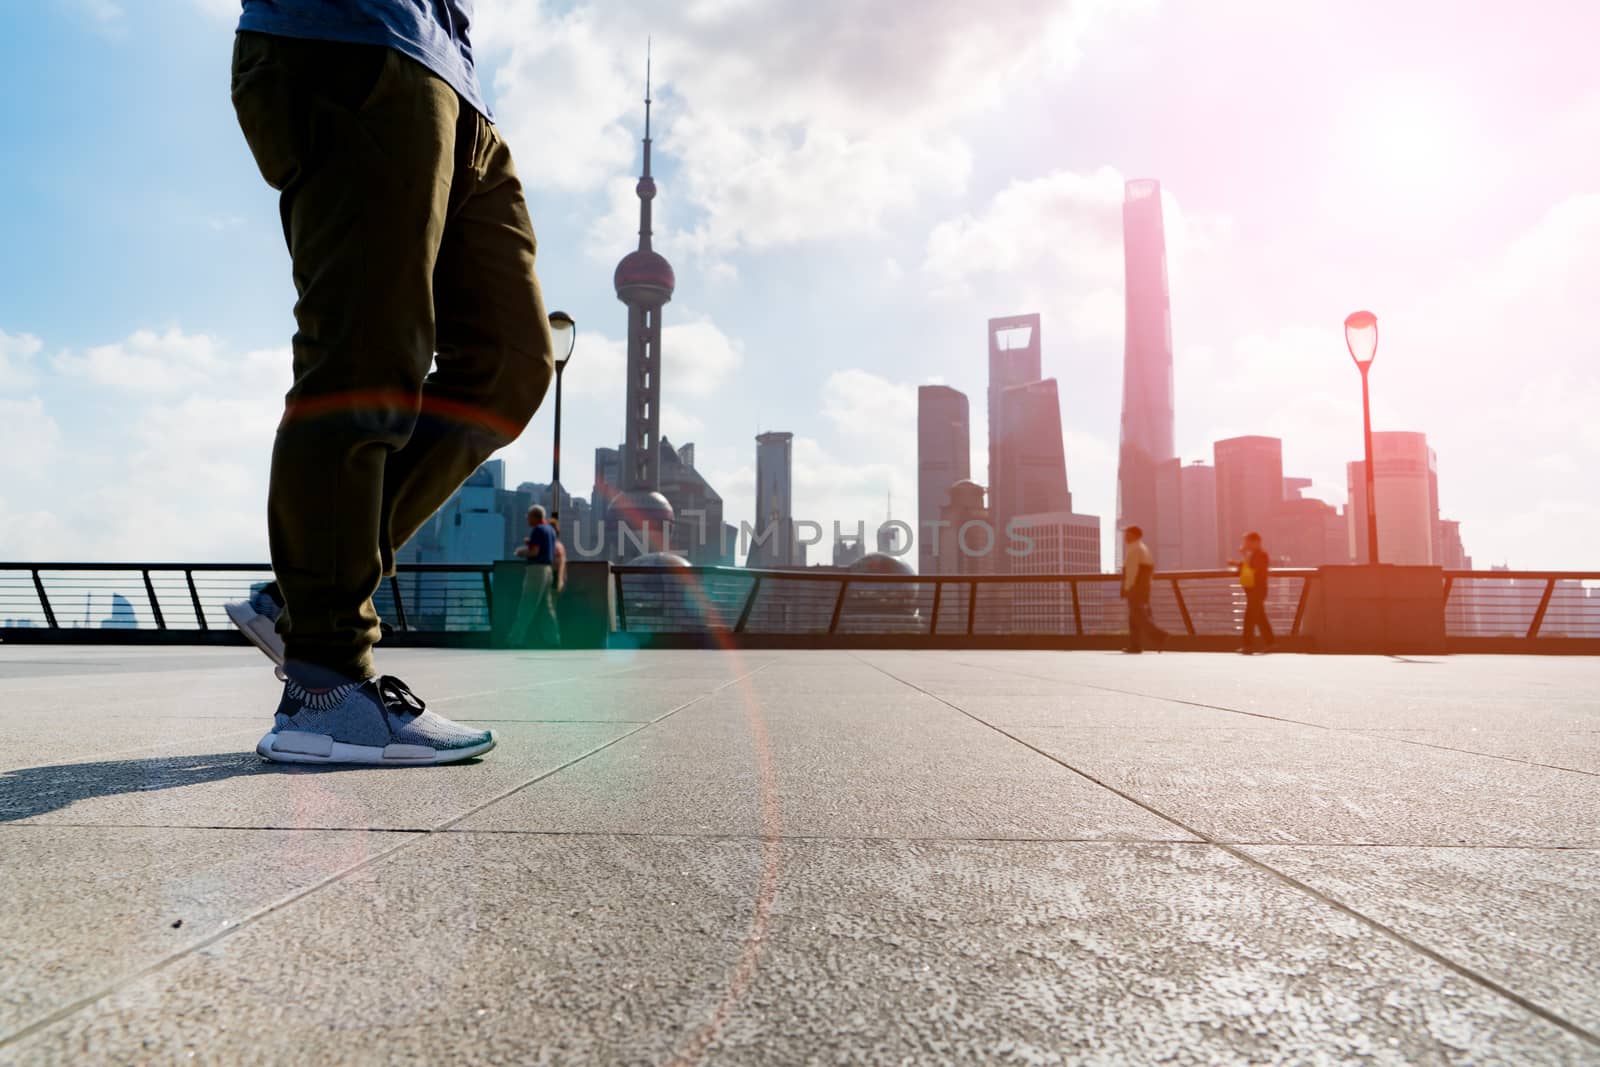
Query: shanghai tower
[[1146, 365]]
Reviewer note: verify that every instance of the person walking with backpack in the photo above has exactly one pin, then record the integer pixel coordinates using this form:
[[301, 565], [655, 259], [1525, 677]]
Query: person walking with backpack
[[421, 342], [1254, 568]]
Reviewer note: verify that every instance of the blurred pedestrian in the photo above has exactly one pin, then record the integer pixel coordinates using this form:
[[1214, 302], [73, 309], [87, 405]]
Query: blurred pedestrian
[[1138, 565], [541, 582], [1254, 567]]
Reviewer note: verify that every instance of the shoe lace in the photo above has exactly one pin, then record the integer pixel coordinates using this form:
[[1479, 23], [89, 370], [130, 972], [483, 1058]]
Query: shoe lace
[[397, 696]]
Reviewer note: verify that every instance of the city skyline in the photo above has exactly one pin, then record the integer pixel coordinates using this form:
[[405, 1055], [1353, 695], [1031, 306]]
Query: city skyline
[[144, 339]]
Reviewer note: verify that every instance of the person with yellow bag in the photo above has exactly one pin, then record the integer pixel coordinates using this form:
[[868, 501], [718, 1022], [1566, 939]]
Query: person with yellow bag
[[1254, 568]]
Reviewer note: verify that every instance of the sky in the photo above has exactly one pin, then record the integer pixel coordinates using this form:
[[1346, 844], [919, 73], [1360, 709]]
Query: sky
[[848, 191]]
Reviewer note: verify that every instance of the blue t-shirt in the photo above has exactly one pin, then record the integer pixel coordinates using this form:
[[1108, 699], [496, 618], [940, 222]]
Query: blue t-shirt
[[542, 544], [432, 32]]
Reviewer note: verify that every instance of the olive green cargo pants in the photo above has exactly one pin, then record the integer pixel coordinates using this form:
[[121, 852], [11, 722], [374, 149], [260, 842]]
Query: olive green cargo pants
[[410, 241]]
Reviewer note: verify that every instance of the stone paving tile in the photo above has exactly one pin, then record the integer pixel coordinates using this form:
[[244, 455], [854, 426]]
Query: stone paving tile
[[1299, 784], [904, 765], [222, 782], [515, 949], [626, 698], [80, 736], [85, 907], [1526, 918], [1346, 692], [1575, 749]]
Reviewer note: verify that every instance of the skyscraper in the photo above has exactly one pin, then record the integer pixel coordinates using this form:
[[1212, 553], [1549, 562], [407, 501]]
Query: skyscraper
[[944, 457], [1032, 467], [1147, 420], [1168, 533], [1406, 482], [968, 544], [774, 516], [1249, 487], [644, 281], [1015, 358], [1057, 543], [1197, 489]]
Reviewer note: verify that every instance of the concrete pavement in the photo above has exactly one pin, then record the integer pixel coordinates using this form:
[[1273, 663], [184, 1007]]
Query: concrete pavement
[[811, 857]]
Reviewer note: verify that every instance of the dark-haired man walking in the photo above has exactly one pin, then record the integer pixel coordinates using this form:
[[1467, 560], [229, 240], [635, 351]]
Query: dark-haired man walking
[[410, 242]]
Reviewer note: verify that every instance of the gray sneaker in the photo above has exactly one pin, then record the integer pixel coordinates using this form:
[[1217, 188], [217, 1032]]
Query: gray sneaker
[[377, 721], [257, 618]]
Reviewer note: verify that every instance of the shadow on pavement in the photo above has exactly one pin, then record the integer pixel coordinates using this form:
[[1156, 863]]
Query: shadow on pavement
[[29, 791]]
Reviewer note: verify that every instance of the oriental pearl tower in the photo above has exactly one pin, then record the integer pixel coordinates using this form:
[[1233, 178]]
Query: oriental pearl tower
[[644, 282]]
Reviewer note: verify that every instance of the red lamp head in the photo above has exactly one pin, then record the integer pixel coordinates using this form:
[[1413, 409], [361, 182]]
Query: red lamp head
[[1361, 336]]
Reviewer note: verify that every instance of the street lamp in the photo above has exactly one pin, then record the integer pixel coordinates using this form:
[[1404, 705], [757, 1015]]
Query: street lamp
[[1361, 337], [563, 338]]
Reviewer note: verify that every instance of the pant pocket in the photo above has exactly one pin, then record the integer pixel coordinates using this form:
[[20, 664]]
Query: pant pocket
[[268, 102]]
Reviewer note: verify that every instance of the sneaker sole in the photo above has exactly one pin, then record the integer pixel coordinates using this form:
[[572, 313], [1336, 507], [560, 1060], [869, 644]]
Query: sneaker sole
[[297, 746], [257, 629]]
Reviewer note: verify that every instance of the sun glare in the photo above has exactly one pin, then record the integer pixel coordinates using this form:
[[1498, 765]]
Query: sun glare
[[1407, 143]]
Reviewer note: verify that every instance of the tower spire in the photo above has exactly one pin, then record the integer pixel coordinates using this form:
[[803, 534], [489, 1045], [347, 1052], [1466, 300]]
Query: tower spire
[[647, 184], [647, 107]]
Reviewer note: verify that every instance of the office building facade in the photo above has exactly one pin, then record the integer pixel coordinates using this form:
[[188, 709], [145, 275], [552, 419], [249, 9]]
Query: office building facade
[[774, 519], [944, 457], [1406, 481], [1015, 358], [1249, 474]]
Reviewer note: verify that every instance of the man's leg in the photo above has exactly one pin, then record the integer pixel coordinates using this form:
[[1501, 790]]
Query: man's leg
[[549, 627], [1135, 625], [494, 352], [535, 580], [361, 142]]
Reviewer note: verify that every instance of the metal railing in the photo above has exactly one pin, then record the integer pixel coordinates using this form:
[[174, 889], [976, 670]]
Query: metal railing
[[1522, 605], [833, 606], [453, 604], [424, 603]]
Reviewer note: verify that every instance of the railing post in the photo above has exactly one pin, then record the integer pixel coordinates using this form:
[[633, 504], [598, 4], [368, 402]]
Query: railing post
[[194, 598], [749, 605], [44, 600], [399, 608], [838, 607], [1077, 610], [1544, 605], [933, 623], [488, 596], [1300, 608], [622, 604], [155, 605], [1183, 608], [972, 606]]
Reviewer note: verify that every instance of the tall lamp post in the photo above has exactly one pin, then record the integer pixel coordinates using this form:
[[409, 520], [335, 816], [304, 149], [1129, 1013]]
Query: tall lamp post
[[1361, 337], [564, 338]]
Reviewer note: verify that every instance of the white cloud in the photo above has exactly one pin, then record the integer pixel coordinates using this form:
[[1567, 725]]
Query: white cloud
[[783, 124], [29, 436], [16, 360], [176, 467], [221, 10], [146, 362], [699, 357], [1060, 233], [871, 410]]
